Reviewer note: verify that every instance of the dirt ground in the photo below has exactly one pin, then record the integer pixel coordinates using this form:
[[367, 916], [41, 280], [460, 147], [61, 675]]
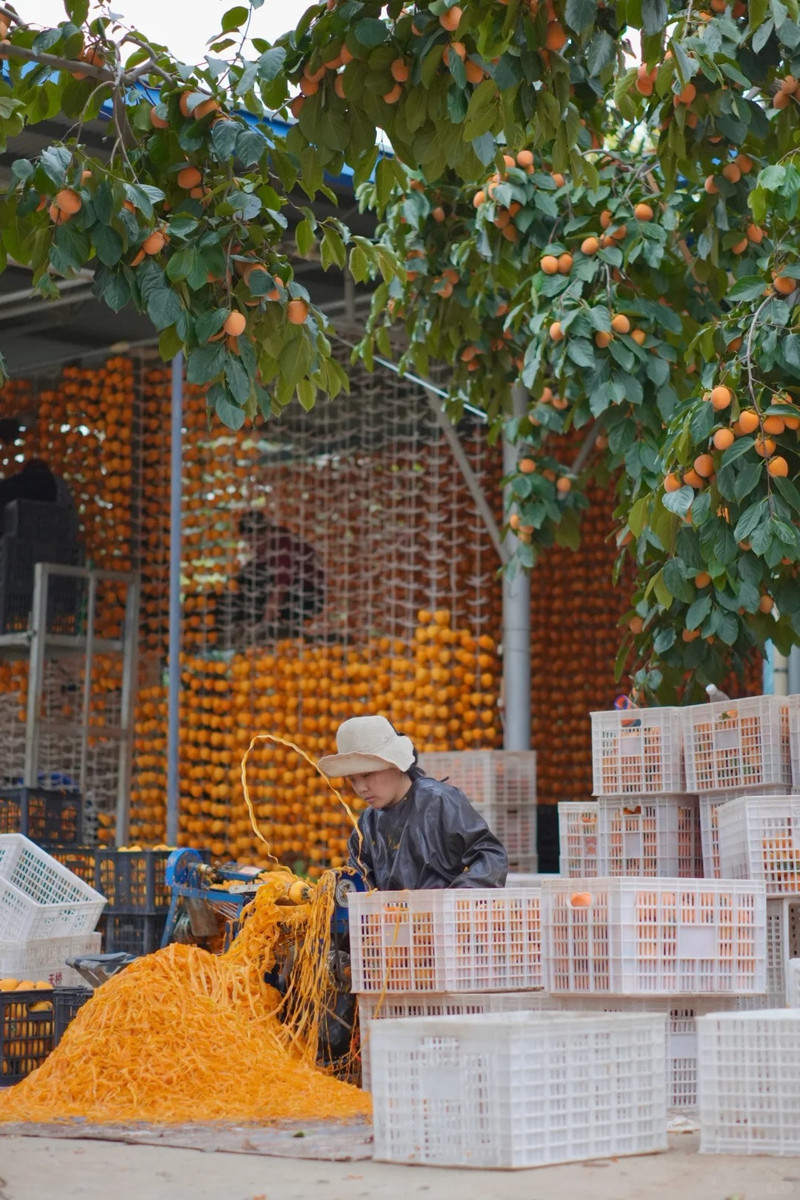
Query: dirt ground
[[47, 1168]]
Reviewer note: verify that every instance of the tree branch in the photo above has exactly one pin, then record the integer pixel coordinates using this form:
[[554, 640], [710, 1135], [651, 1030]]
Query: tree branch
[[57, 63]]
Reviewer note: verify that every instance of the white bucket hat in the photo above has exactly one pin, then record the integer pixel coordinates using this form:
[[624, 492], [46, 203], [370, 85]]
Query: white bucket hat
[[367, 744]]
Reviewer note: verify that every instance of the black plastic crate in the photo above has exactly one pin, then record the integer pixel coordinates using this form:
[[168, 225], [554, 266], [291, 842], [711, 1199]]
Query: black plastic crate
[[547, 837], [133, 933], [132, 881], [26, 1033], [40, 519], [67, 1002], [81, 860], [18, 558], [42, 814]]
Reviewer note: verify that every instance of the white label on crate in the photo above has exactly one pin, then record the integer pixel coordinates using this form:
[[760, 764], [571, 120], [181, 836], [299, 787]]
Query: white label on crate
[[683, 1045], [440, 1083], [397, 934], [727, 739], [697, 941], [631, 743], [632, 844]]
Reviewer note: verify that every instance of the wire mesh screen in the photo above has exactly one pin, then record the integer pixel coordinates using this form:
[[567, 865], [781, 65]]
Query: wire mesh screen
[[334, 564]]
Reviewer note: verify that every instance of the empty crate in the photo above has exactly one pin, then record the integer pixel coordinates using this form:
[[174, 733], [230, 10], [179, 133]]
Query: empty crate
[[664, 937], [749, 1082], [578, 838], [501, 784], [518, 1089], [650, 836], [759, 838], [681, 1014], [446, 940], [39, 898], [637, 752], [376, 1008], [45, 959], [737, 744]]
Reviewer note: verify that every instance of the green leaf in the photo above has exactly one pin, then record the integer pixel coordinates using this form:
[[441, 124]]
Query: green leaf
[[654, 16], [370, 31], [697, 612], [580, 14], [112, 287], [750, 287], [680, 501], [209, 323], [107, 244], [206, 362], [304, 237], [237, 379], [228, 412], [601, 52], [306, 394], [270, 63], [747, 478], [77, 11], [223, 138], [789, 492], [750, 519], [234, 18]]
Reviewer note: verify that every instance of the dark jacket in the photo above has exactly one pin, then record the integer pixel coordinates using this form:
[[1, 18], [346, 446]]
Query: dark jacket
[[433, 838]]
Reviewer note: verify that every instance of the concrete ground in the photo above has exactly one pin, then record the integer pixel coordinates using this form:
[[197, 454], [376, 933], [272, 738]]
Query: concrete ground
[[44, 1168]]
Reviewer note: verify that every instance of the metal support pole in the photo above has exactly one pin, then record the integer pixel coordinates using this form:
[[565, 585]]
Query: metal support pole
[[130, 647], [175, 549], [41, 583], [794, 670], [780, 673], [516, 622]]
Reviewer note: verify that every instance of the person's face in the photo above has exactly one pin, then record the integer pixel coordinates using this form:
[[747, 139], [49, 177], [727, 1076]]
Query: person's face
[[380, 789]]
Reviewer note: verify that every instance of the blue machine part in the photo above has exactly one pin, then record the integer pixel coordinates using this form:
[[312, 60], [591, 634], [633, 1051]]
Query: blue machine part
[[194, 883]]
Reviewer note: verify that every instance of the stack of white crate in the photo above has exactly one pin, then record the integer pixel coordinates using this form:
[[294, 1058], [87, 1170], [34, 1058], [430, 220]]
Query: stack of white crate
[[47, 914], [501, 784], [643, 823], [447, 951], [682, 947], [739, 757], [482, 1076]]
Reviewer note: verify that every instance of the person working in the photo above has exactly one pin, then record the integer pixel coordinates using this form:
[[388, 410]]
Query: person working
[[416, 832], [280, 586]]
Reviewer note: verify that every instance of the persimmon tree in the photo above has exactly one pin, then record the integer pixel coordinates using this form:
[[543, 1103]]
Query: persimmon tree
[[595, 201]]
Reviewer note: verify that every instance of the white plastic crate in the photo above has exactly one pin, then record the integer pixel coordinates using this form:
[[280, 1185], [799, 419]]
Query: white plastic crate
[[39, 898], [45, 959], [446, 940], [663, 937], [710, 804], [578, 838], [517, 879], [738, 744], [518, 1089], [783, 943], [681, 1014], [759, 838], [749, 1082], [793, 984], [650, 836], [637, 752], [501, 785], [378, 1008], [794, 740]]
